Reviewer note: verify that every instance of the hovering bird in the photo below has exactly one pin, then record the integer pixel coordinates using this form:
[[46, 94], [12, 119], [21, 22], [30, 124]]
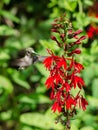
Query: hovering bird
[[28, 57]]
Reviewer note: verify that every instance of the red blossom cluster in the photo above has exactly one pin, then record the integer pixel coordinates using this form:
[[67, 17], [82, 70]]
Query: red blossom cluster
[[65, 71], [92, 30]]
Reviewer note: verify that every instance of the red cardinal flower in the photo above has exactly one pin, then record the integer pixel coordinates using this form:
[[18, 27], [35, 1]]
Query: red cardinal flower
[[70, 102], [77, 81], [50, 82], [66, 86], [56, 107], [80, 39], [92, 31], [62, 63], [84, 103], [65, 71], [48, 62], [78, 67]]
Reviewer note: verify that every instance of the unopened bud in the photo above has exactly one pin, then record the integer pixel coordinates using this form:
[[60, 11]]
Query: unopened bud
[[54, 30], [77, 51], [53, 38]]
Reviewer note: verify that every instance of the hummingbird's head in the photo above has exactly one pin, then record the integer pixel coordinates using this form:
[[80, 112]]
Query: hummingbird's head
[[30, 51]]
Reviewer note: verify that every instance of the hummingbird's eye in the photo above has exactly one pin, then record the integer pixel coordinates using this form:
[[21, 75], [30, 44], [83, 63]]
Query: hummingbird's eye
[[28, 52]]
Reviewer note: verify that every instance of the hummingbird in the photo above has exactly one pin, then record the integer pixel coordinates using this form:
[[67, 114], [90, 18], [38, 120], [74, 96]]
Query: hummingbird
[[28, 57]]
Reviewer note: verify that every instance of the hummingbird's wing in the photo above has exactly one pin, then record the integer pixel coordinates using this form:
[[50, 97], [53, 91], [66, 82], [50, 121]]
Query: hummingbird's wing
[[22, 62], [21, 53], [17, 63]]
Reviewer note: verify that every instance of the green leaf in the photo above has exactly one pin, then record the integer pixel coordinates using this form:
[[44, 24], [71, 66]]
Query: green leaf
[[34, 99], [17, 78], [7, 1], [94, 47], [5, 115], [40, 121], [74, 127], [69, 5], [26, 99], [82, 19], [27, 128], [34, 78], [88, 74], [3, 54], [21, 82], [9, 15], [6, 84], [49, 44], [88, 119], [93, 102], [88, 2], [87, 128], [13, 42], [95, 88], [93, 19], [42, 69], [19, 43], [52, 3], [7, 31]]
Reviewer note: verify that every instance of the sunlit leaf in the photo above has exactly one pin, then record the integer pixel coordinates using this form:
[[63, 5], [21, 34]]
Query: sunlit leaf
[[6, 84], [9, 15], [93, 102], [33, 98], [40, 121], [87, 128], [7, 31], [95, 88]]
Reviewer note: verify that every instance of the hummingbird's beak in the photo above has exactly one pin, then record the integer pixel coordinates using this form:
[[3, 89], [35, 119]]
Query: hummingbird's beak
[[34, 52]]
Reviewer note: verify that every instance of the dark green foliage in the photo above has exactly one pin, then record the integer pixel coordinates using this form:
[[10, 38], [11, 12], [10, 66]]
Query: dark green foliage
[[24, 100]]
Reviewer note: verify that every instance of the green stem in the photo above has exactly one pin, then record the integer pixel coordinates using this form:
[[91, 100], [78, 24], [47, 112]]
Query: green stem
[[68, 121], [80, 6]]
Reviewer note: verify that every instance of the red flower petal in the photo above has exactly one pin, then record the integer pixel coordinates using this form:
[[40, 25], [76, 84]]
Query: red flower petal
[[84, 103], [77, 32], [58, 79], [50, 82], [56, 107], [48, 62], [66, 86], [76, 80], [69, 102], [62, 62], [80, 39], [78, 66]]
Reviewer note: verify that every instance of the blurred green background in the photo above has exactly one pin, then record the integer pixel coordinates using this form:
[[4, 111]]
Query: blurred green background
[[24, 100]]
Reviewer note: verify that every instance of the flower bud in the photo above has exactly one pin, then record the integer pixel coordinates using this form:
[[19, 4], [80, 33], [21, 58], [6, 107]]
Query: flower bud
[[54, 30], [53, 38], [76, 51]]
